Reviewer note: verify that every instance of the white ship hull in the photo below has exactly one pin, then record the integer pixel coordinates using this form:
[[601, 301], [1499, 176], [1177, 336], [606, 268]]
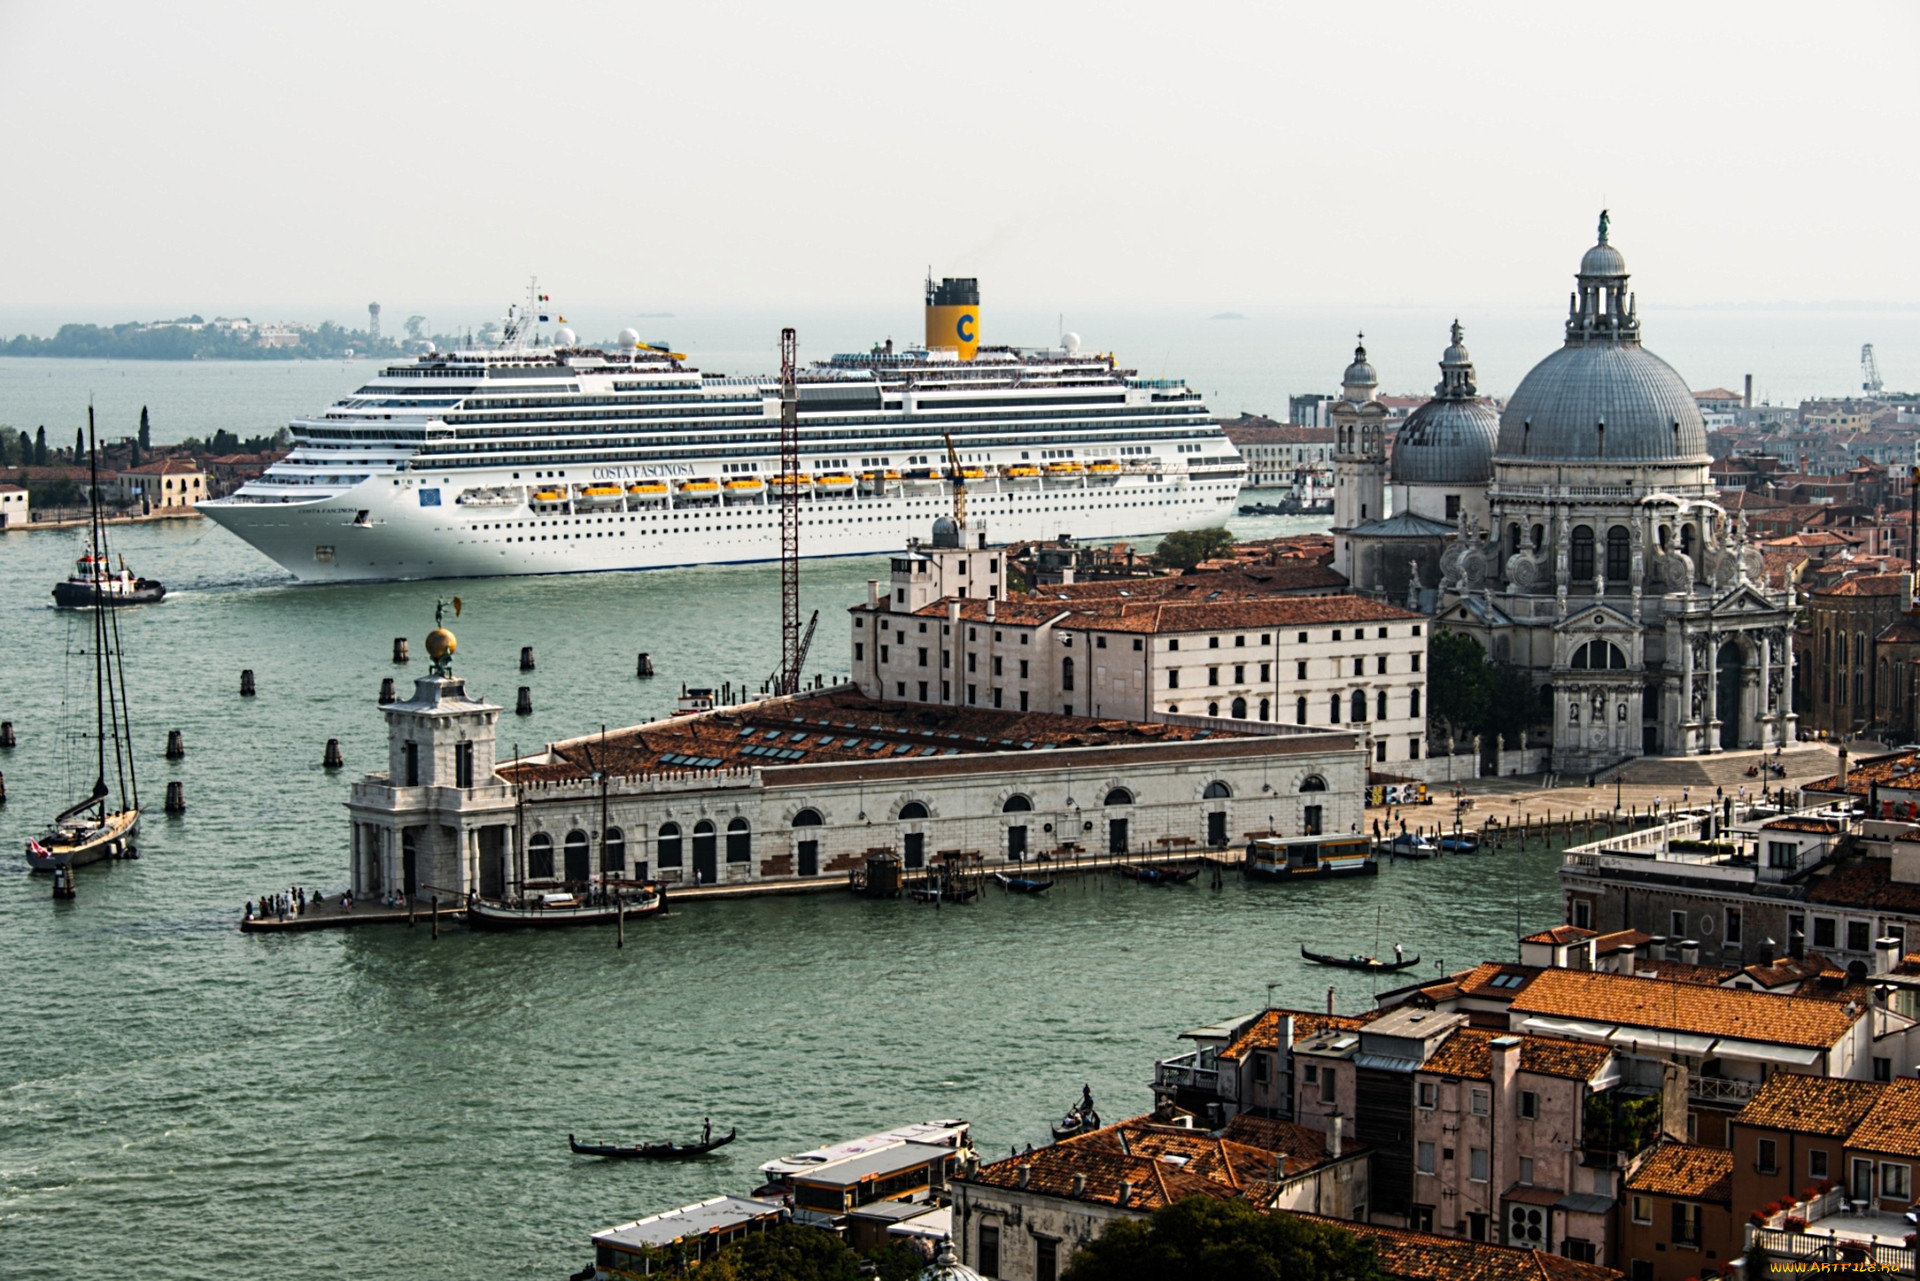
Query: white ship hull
[[379, 529]]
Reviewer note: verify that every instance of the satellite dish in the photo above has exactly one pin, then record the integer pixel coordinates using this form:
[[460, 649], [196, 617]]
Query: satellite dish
[[1071, 342], [563, 337]]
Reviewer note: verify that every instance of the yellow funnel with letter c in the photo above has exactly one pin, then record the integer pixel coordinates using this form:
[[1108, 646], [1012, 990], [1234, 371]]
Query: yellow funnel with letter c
[[953, 316]]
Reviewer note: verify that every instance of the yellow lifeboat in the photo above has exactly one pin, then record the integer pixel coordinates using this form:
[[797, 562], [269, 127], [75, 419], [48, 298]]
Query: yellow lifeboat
[[745, 485], [1068, 468], [1023, 471], [973, 473], [600, 495], [797, 481], [549, 496], [837, 482], [648, 489], [700, 487], [1104, 468]]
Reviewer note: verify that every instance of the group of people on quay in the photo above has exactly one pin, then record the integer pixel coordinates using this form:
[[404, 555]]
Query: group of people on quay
[[293, 902]]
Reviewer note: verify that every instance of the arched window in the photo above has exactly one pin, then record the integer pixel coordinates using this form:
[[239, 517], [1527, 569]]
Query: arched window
[[1380, 706], [1016, 804], [1313, 783], [540, 857], [1066, 673], [1619, 555], [1359, 709], [1413, 703], [1513, 539], [1213, 709], [1119, 796], [1539, 537], [705, 843], [739, 841], [1300, 710], [1217, 791], [1333, 710], [1266, 709], [1582, 565], [579, 868], [808, 818], [912, 809], [1239, 709], [613, 849], [667, 845]]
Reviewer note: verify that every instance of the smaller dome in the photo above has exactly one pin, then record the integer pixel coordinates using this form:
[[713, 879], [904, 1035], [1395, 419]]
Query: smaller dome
[[946, 533], [629, 339], [1071, 342], [1446, 442], [1603, 260], [563, 337], [1360, 373], [441, 642], [946, 1266]]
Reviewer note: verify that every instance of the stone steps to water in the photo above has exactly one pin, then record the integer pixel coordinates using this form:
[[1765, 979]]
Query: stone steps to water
[[1719, 771]]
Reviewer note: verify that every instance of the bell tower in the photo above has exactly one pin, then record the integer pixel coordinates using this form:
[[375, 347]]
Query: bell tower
[[1359, 457]]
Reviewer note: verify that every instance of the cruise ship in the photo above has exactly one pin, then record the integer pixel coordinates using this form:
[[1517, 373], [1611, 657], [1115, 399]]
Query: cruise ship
[[538, 456]]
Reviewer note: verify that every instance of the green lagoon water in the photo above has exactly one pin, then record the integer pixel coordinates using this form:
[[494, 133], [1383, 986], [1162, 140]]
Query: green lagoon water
[[178, 1100]]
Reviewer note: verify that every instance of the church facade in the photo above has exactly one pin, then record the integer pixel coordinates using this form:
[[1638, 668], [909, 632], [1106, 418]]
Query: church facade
[[1585, 545]]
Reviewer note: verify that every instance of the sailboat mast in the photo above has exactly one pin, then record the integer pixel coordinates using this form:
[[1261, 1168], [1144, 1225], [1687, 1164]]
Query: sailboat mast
[[99, 623], [110, 639]]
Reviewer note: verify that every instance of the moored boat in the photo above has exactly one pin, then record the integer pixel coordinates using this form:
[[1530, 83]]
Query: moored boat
[[1081, 1118], [1150, 874], [1290, 858], [1460, 843], [1022, 884], [1409, 845], [636, 900]]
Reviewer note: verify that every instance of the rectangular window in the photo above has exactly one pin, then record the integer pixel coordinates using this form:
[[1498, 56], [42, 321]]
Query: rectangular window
[[413, 764], [1642, 1209], [1266, 671], [1783, 854], [1477, 1164], [883, 653], [1479, 1104], [1733, 934], [1817, 1163], [1046, 1259], [1380, 665], [1299, 671], [899, 689], [998, 666], [996, 696], [1686, 1224], [1174, 643], [1857, 940], [1824, 931], [1882, 1069], [1173, 678], [1136, 645], [1423, 1160], [463, 764], [1529, 1104], [1239, 674], [1023, 668], [1583, 913], [1766, 1157], [988, 1265], [859, 651], [1893, 1181], [923, 656], [1429, 1094], [1099, 642], [1328, 1082], [923, 691], [1312, 1074], [1526, 1171], [1023, 700], [1416, 657], [1359, 667], [1262, 1068], [1419, 1220], [1213, 676]]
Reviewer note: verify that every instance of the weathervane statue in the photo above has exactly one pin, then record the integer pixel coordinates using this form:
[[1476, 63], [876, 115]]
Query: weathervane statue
[[441, 643]]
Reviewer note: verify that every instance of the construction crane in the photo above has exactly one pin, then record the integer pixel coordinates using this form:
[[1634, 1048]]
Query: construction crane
[[1869, 371], [806, 643], [792, 652], [959, 486]]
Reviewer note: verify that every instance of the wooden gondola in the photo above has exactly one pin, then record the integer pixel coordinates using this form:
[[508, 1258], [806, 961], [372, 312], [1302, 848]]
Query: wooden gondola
[[560, 909], [1080, 1118], [652, 1151], [1371, 964], [1022, 884], [1149, 874]]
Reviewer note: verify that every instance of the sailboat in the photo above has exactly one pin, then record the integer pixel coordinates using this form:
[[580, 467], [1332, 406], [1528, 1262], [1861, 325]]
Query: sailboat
[[102, 824]]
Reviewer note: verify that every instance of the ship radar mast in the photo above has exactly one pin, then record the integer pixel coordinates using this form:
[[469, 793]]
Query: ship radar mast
[[517, 328]]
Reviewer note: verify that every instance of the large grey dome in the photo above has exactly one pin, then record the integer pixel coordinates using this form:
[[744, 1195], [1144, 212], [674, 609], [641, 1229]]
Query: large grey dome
[[1450, 439], [1557, 410], [1603, 397]]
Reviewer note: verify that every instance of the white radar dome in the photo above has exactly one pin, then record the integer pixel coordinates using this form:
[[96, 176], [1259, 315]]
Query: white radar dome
[[1070, 341], [431, 349], [629, 339], [563, 337]]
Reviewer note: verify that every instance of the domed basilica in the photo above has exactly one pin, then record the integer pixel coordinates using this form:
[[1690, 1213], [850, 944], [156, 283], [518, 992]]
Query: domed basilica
[[1576, 535]]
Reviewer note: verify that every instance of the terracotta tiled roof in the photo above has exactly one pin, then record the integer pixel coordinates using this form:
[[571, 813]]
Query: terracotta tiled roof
[[1241, 580], [1154, 617], [1802, 1104], [1468, 1052], [1620, 941], [1824, 826], [1248, 429], [1868, 883], [1787, 970], [1305, 1146], [1501, 980], [1561, 934], [1422, 1256], [1871, 769], [1682, 972], [834, 727], [1264, 1032], [1901, 631], [164, 467], [1867, 585], [1892, 1125], [1684, 1007], [1686, 1170]]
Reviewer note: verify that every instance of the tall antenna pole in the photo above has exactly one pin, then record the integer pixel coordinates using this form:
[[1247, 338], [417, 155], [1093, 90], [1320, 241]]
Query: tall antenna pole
[[790, 657]]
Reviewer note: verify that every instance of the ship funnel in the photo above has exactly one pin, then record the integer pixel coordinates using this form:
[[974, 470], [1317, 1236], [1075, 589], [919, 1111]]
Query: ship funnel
[[953, 316]]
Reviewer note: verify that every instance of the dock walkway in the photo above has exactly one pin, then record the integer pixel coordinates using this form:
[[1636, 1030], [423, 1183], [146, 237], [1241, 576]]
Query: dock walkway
[[329, 915]]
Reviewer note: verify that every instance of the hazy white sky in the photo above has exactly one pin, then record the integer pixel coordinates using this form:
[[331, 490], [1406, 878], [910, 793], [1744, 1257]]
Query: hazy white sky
[[201, 156]]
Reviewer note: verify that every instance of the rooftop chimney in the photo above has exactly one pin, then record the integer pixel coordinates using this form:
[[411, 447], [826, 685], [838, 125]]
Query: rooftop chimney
[[1690, 951], [873, 593], [990, 604], [1023, 1172], [1886, 954], [1079, 1185], [1766, 951], [1746, 399], [1126, 1191], [1329, 998], [1333, 1137]]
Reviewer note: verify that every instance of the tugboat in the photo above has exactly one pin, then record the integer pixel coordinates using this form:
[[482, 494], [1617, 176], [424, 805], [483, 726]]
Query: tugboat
[[103, 823], [95, 582]]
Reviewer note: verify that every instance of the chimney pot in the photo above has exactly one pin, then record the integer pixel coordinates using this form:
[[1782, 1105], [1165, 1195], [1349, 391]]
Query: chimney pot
[[1079, 1185], [1024, 1173], [1126, 1191], [1333, 1136]]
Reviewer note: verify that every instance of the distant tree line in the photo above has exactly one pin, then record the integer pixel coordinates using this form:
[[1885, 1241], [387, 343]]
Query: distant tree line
[[1467, 694], [190, 340]]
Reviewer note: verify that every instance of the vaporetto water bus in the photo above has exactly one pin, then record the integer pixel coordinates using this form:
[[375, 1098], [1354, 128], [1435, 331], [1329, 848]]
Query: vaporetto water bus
[[539, 456]]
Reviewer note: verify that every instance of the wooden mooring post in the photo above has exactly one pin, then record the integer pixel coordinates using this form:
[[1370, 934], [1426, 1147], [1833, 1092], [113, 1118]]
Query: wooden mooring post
[[331, 758], [399, 649], [523, 705], [176, 745], [386, 691], [620, 923], [176, 797], [246, 683], [526, 658], [643, 666], [435, 903], [7, 740]]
